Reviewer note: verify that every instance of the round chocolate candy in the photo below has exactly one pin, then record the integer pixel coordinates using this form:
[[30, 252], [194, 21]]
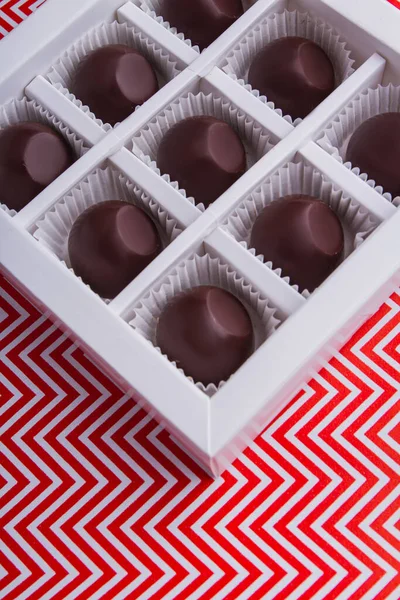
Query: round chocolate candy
[[207, 332], [375, 148], [294, 73], [301, 235], [113, 81], [204, 20], [205, 155], [32, 155], [110, 244]]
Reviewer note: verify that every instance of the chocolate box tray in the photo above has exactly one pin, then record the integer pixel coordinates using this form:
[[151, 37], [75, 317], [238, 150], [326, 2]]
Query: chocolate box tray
[[214, 427]]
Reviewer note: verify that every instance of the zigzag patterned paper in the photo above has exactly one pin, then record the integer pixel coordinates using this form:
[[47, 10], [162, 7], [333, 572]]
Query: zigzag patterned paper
[[12, 12]]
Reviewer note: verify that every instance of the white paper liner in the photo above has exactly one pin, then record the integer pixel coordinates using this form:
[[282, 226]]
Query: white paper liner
[[8, 211], [62, 73], [256, 139], [369, 103], [19, 111], [298, 178], [193, 272], [284, 24], [153, 9], [53, 230]]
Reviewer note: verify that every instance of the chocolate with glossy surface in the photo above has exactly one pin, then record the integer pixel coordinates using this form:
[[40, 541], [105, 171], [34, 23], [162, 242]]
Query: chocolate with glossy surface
[[32, 156], [113, 81], [205, 155], [301, 235], [110, 244], [375, 149], [201, 21], [294, 73], [208, 332]]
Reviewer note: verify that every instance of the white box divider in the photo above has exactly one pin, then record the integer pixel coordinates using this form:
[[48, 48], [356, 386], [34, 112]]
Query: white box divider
[[271, 285], [51, 98], [27, 216], [131, 14], [363, 193], [171, 199], [212, 55]]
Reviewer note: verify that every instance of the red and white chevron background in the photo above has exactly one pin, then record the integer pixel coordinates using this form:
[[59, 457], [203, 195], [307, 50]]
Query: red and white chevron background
[[98, 502]]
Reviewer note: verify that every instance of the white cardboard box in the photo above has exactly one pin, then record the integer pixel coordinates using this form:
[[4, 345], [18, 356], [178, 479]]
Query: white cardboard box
[[214, 430]]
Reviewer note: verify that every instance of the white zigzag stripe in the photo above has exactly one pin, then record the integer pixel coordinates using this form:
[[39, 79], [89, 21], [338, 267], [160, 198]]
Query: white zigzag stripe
[[392, 522], [20, 13], [123, 549], [33, 482], [286, 484], [23, 316], [11, 527], [151, 527], [16, 8], [127, 527], [78, 481], [220, 550], [380, 349], [343, 522], [311, 506], [192, 572], [385, 434], [55, 481], [8, 20], [264, 480], [197, 528], [310, 483], [101, 483], [365, 359], [269, 436], [366, 524], [315, 435]]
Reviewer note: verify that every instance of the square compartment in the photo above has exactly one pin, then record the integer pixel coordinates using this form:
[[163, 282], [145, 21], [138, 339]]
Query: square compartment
[[202, 97]]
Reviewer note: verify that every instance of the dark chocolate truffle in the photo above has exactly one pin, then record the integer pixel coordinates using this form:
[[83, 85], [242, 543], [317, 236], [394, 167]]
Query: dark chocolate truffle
[[32, 155], [375, 149], [294, 73], [113, 81], [204, 20], [207, 332], [205, 155], [110, 244], [301, 235]]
